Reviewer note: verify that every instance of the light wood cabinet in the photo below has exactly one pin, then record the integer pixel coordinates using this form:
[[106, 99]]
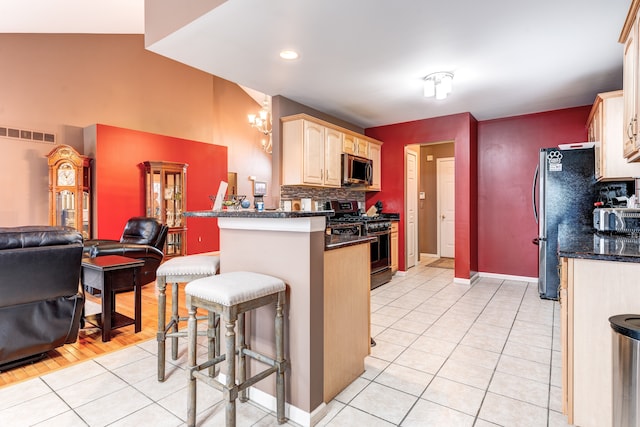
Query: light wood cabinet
[[592, 292], [310, 153], [70, 189], [346, 316], [166, 200], [356, 146], [631, 69], [374, 155], [394, 246], [312, 150], [605, 126]]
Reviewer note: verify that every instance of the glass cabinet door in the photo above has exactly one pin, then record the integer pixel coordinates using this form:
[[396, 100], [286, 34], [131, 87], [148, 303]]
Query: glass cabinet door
[[154, 198], [165, 184], [65, 208]]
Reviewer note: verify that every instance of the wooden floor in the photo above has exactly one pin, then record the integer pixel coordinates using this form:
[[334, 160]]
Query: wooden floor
[[89, 343]]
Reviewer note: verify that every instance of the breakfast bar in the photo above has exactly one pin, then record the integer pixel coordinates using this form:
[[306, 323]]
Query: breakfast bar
[[328, 300]]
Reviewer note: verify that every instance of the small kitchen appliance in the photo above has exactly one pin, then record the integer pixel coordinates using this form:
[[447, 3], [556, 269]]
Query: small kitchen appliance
[[356, 170]]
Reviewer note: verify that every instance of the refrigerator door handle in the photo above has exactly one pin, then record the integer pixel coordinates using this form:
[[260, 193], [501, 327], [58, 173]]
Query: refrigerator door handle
[[533, 192]]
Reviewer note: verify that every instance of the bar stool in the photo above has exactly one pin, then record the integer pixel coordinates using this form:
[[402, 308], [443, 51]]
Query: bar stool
[[231, 295], [182, 269]]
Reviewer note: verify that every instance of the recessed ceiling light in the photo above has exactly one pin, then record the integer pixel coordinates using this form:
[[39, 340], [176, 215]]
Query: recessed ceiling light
[[289, 54]]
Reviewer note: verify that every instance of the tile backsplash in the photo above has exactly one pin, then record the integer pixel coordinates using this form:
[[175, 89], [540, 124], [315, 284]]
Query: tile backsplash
[[319, 194]]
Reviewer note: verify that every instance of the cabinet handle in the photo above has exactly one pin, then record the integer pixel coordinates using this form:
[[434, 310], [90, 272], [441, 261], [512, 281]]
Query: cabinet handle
[[630, 131]]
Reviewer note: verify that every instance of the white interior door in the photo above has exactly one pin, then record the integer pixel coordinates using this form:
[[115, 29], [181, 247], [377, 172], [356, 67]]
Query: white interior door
[[411, 196], [446, 206]]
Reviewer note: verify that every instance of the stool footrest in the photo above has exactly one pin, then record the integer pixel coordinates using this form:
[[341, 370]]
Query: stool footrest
[[259, 356], [212, 381]]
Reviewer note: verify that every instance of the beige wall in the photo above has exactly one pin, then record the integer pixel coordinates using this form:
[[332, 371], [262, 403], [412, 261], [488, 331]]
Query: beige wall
[[61, 83]]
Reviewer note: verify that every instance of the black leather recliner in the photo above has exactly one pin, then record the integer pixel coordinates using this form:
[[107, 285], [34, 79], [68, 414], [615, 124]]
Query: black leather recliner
[[143, 238], [40, 298]]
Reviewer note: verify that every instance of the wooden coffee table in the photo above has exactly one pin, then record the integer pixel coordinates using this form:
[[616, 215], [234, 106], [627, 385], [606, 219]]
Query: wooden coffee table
[[112, 274]]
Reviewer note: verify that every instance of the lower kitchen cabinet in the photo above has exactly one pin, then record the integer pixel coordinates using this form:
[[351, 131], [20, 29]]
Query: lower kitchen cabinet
[[394, 246], [347, 275], [591, 291]]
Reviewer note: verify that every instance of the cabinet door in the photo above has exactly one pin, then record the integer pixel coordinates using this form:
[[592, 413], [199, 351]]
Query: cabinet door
[[349, 144], [374, 155], [332, 152], [394, 247], [595, 135], [630, 82], [313, 152], [362, 147]]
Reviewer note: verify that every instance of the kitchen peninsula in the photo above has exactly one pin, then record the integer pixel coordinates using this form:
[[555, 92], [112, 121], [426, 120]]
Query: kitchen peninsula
[[599, 279], [327, 320]]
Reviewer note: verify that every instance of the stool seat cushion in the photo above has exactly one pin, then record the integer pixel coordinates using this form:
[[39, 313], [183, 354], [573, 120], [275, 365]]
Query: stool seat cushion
[[190, 265], [235, 287]]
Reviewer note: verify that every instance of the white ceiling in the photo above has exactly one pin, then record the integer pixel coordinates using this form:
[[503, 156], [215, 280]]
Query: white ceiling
[[364, 60]]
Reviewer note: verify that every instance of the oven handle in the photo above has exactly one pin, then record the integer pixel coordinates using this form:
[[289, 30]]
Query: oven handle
[[378, 233]]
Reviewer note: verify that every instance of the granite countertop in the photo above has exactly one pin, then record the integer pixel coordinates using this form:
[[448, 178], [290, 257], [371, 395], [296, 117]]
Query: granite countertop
[[598, 246], [252, 213]]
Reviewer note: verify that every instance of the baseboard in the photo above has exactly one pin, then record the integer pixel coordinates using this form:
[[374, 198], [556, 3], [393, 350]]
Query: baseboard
[[508, 277], [295, 414], [470, 281]]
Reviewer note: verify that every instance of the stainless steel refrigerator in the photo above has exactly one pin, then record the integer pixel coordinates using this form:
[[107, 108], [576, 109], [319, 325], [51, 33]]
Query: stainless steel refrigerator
[[565, 197]]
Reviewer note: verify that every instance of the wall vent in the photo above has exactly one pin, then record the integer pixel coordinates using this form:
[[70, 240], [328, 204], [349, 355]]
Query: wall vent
[[28, 135]]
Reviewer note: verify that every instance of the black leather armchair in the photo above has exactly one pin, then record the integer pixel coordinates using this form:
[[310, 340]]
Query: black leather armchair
[[143, 238], [40, 298]]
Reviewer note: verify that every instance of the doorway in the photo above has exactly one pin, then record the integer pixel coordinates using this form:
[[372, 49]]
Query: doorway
[[429, 217], [446, 206], [411, 207]]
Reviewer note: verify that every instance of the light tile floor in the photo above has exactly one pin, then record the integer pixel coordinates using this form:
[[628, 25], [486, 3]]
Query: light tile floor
[[446, 355]]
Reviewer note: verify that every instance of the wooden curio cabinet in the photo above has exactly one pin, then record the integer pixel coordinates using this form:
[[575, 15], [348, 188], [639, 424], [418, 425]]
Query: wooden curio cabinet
[[165, 199], [70, 189]]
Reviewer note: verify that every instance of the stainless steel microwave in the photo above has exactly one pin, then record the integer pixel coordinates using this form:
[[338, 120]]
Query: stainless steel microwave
[[356, 170]]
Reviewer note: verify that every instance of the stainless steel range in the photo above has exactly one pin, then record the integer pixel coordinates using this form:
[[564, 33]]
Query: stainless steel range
[[349, 219]]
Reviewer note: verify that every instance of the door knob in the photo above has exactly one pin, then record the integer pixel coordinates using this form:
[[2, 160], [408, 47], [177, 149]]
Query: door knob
[[443, 217]]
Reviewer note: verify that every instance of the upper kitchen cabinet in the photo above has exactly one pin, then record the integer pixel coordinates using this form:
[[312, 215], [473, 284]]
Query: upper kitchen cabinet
[[310, 152], [631, 68], [357, 146], [374, 155], [606, 131]]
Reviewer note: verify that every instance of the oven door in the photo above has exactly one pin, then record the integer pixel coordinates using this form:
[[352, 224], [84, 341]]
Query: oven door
[[380, 250]]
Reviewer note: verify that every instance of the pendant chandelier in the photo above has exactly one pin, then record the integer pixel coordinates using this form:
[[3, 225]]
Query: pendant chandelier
[[262, 122]]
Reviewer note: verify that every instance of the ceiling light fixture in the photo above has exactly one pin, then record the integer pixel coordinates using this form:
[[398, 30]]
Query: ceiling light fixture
[[438, 84], [289, 55], [262, 122]]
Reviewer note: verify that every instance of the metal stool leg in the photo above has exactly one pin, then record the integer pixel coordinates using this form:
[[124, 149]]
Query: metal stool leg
[[192, 329], [230, 391], [242, 367], [279, 330], [212, 341], [162, 304], [174, 319]]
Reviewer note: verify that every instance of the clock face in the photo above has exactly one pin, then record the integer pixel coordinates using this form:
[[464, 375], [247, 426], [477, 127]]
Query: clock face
[[66, 175]]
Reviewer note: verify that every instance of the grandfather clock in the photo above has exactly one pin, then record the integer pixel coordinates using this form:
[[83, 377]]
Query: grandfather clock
[[70, 189]]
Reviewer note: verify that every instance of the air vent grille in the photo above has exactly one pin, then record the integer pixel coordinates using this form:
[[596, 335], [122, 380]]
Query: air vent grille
[[28, 135]]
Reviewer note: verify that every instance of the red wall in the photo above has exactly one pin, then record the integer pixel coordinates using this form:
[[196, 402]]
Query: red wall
[[507, 158], [119, 180], [459, 128], [495, 163]]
